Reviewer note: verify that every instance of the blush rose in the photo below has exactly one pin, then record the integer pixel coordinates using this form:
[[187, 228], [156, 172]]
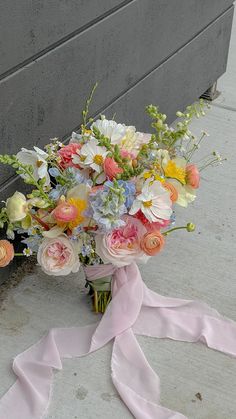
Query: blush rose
[[122, 245], [58, 256]]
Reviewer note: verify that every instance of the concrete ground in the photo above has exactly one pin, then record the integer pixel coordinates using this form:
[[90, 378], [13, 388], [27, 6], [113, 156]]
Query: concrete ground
[[195, 266]]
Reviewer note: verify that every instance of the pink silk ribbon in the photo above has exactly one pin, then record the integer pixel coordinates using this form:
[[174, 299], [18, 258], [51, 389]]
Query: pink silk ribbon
[[134, 309]]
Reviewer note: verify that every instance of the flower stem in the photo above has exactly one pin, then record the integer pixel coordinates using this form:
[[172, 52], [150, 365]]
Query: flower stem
[[19, 254], [189, 227]]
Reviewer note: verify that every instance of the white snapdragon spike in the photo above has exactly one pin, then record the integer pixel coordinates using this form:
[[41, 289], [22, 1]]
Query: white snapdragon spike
[[92, 155], [110, 129], [128, 142], [37, 159], [154, 202]]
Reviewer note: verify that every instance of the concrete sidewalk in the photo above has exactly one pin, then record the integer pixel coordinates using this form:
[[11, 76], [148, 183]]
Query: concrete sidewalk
[[195, 266]]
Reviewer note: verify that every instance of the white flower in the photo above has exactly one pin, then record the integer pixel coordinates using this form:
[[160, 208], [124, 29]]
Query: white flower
[[37, 159], [92, 155], [16, 207], [110, 129], [27, 251], [154, 202]]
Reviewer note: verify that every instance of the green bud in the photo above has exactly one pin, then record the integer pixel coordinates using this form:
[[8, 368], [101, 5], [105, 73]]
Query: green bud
[[190, 227]]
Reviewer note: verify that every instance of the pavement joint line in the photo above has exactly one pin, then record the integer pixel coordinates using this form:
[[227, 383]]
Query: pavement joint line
[[228, 108]]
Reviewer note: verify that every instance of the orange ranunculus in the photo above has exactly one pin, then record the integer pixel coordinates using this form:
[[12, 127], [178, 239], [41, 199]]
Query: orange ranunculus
[[152, 243], [173, 191], [6, 253]]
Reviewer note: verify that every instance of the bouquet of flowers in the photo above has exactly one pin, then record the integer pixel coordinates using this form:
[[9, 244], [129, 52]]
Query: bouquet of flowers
[[106, 197]]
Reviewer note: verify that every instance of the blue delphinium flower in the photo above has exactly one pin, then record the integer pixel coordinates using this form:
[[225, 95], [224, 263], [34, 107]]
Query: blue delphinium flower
[[86, 250], [56, 192], [33, 242], [76, 177], [53, 171], [108, 206], [130, 190]]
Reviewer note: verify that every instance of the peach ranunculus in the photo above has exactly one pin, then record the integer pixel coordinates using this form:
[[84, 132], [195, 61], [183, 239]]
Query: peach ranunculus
[[173, 191], [192, 176], [65, 212], [111, 168], [70, 213], [152, 243], [58, 256], [6, 253], [66, 154], [122, 245]]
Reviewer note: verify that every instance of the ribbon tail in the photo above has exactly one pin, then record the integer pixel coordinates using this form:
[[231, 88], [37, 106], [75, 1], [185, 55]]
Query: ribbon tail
[[186, 320], [29, 397], [135, 381]]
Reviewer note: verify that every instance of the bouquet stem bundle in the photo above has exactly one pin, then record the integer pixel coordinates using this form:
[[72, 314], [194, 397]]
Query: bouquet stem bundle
[[100, 292]]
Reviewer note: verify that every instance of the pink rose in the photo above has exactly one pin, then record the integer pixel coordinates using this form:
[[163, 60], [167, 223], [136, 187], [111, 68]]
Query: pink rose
[[192, 176], [58, 256], [66, 153], [122, 245], [111, 168]]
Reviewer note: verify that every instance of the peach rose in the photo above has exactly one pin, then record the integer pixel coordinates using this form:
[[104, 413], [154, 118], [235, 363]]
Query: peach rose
[[192, 176], [152, 243], [6, 253], [173, 191], [111, 168], [58, 256]]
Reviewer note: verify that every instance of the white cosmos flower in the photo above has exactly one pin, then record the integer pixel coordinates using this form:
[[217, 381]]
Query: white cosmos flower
[[37, 159], [154, 202], [92, 155], [115, 132]]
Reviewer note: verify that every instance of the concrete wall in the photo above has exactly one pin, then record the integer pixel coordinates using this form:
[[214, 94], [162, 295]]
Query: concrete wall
[[165, 52]]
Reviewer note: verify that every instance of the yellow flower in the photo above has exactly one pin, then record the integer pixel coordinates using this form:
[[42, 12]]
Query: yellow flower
[[81, 205], [16, 207], [175, 172], [152, 173]]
